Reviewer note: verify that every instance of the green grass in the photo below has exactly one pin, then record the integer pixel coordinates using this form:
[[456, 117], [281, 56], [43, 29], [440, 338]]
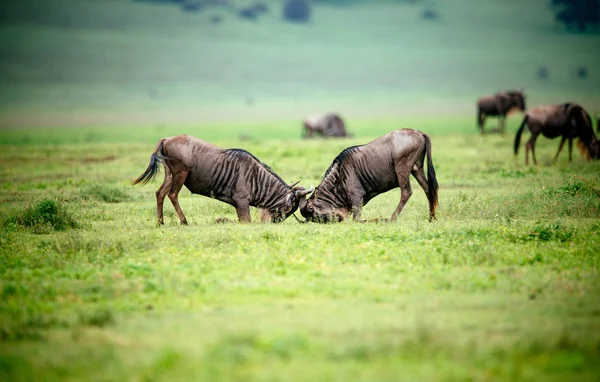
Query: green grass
[[81, 62], [503, 286]]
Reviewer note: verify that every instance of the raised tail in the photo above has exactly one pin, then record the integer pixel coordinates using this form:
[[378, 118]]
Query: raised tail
[[432, 183], [519, 132], [153, 168]]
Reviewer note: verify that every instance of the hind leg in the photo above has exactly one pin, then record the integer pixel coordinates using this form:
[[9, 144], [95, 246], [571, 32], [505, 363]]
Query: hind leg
[[419, 175], [160, 195], [405, 193], [570, 149], [531, 146], [177, 183]]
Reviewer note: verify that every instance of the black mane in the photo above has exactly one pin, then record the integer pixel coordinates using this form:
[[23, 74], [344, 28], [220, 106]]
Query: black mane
[[341, 158]]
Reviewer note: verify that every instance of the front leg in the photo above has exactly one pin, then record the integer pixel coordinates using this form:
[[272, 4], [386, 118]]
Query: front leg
[[243, 213], [357, 212], [560, 146]]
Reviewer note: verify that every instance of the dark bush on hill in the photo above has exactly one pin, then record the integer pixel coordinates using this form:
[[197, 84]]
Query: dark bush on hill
[[296, 10], [579, 15]]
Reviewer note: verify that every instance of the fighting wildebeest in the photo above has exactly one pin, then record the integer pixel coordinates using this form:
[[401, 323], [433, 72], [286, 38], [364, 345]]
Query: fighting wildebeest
[[359, 173], [233, 176], [326, 125], [569, 121], [499, 105]]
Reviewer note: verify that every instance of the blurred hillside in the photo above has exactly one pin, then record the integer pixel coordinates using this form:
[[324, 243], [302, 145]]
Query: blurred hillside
[[75, 62]]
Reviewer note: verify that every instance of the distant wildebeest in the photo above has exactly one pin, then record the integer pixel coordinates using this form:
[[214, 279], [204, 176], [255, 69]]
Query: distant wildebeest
[[359, 173], [430, 14], [499, 105], [582, 72], [326, 125], [542, 72], [233, 176], [569, 121]]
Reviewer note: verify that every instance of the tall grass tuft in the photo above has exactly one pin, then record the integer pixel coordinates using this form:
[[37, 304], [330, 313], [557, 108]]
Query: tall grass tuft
[[43, 216]]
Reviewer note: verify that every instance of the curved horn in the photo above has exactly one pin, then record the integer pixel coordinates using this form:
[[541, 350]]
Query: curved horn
[[300, 221], [302, 193], [293, 184]]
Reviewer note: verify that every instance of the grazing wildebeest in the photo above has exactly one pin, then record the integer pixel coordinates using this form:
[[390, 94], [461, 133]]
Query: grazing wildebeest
[[569, 121], [499, 105], [327, 125], [359, 173], [233, 176]]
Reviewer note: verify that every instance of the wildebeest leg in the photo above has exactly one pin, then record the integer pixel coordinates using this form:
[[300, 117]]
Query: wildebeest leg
[[356, 211], [560, 146], [419, 175], [531, 146], [481, 122], [160, 195], [243, 212], [501, 121], [178, 180], [306, 131], [570, 149], [406, 192]]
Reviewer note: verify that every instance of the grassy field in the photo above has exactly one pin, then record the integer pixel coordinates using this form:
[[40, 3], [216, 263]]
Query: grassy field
[[82, 62], [503, 286]]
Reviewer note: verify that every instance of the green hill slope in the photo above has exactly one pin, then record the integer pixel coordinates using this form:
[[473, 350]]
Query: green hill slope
[[79, 62]]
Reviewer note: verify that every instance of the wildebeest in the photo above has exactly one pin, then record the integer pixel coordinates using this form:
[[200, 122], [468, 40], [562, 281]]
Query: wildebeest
[[499, 105], [359, 173], [569, 121], [327, 125], [233, 176]]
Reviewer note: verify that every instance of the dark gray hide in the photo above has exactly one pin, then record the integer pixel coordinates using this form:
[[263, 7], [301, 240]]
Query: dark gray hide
[[326, 125], [499, 105], [568, 121], [360, 173], [233, 176]]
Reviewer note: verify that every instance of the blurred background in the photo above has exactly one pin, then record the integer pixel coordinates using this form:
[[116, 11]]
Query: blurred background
[[140, 62]]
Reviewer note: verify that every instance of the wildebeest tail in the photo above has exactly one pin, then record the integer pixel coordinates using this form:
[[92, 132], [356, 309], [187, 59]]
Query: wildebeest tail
[[519, 132], [585, 130], [432, 183], [153, 168]]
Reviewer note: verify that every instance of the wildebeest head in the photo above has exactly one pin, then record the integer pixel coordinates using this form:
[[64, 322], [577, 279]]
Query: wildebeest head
[[289, 204], [318, 209], [517, 100], [328, 203]]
